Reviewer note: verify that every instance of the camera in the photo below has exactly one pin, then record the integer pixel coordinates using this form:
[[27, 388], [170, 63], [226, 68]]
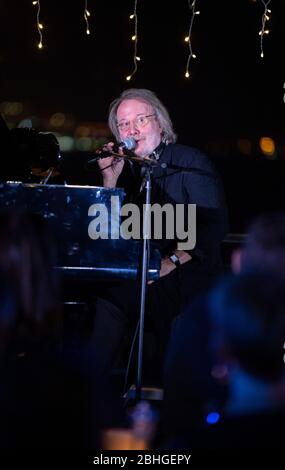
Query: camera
[[27, 154]]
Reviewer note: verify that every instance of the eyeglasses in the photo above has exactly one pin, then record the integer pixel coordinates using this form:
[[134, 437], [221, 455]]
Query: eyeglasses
[[139, 122]]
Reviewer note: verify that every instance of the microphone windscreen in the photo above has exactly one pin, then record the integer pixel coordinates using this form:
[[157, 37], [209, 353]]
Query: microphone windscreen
[[129, 143]]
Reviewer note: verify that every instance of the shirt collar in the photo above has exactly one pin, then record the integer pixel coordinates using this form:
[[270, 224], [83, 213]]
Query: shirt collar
[[155, 155]]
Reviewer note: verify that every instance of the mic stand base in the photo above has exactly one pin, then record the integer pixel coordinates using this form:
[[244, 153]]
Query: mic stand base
[[146, 393]]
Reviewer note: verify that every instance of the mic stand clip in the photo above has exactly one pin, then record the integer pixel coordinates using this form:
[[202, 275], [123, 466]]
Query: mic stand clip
[[133, 158]]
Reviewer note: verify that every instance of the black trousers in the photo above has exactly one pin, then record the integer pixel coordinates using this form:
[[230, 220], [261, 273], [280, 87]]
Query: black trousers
[[117, 309]]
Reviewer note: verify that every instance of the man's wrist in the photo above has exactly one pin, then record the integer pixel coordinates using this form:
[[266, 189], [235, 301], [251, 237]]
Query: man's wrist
[[109, 182], [180, 256], [175, 260]]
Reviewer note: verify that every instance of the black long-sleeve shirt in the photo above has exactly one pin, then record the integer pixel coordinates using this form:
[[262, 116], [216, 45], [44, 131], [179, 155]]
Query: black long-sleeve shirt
[[189, 178]]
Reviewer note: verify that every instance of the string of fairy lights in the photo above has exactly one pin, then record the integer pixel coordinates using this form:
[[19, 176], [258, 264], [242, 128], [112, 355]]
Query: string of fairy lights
[[264, 30], [136, 58], [188, 38], [86, 15], [37, 3], [134, 17]]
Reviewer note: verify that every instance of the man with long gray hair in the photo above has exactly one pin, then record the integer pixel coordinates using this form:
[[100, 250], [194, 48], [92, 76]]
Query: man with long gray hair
[[184, 176]]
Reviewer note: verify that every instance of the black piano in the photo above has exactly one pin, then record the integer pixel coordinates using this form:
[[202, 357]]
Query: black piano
[[70, 211]]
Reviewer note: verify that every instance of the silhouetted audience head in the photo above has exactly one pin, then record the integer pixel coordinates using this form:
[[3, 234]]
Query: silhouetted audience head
[[264, 246], [258, 294], [248, 313]]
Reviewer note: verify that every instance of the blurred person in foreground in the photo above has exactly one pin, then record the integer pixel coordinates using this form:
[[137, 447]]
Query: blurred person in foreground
[[196, 379], [48, 396], [247, 314]]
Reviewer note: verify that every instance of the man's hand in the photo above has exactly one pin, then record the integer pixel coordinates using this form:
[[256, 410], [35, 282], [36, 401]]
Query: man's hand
[[113, 165], [167, 265]]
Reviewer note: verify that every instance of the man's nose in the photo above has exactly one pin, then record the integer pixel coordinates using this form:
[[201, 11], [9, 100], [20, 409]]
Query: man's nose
[[133, 129]]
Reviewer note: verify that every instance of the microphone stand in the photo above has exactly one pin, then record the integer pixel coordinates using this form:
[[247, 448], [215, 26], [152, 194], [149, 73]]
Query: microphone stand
[[144, 272], [148, 165]]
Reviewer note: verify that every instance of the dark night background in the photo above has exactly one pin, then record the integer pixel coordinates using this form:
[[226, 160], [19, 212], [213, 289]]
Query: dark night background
[[233, 94]]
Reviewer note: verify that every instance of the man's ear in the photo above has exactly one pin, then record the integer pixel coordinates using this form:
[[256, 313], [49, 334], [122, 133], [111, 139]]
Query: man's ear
[[236, 260]]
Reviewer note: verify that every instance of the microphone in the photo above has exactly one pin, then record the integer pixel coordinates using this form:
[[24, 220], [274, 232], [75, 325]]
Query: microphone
[[127, 144]]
